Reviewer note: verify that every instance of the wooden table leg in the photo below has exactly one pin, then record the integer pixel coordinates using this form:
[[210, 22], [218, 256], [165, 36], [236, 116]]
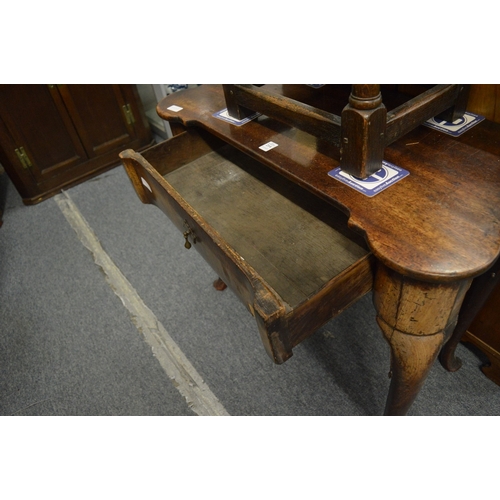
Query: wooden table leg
[[219, 285], [364, 122], [476, 297], [416, 318]]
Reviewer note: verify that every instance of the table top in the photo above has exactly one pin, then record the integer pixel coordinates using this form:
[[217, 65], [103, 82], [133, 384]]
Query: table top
[[439, 223]]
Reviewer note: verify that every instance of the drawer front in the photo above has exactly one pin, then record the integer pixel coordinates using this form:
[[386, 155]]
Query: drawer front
[[210, 247]]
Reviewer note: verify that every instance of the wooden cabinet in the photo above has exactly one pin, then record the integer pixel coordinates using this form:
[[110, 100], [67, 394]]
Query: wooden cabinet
[[55, 136]]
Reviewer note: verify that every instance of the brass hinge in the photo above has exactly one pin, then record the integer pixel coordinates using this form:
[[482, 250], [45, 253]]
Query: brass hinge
[[129, 116], [23, 157]]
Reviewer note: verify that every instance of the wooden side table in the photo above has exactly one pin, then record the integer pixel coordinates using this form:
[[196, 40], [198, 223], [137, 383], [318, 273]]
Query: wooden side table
[[423, 239]]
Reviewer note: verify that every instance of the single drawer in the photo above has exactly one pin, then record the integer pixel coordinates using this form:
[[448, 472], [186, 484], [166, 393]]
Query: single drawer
[[287, 255]]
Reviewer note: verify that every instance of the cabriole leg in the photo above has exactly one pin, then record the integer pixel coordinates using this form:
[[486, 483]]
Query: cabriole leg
[[416, 318]]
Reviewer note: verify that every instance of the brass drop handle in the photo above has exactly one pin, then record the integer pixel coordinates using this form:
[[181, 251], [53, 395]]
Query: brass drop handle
[[186, 243], [189, 232]]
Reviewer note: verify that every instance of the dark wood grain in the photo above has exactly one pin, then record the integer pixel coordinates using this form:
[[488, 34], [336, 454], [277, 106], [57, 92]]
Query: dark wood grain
[[69, 132], [450, 239], [409, 115], [364, 121], [96, 111], [244, 100], [365, 127]]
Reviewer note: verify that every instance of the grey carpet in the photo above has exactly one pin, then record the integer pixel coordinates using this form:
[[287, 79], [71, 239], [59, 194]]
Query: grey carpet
[[69, 347]]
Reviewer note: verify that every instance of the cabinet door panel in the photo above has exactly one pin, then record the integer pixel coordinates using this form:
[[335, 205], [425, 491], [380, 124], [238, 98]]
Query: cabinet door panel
[[98, 114], [37, 120], [56, 136]]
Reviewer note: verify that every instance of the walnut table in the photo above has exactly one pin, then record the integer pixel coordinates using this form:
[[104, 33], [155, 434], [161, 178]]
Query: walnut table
[[417, 244]]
